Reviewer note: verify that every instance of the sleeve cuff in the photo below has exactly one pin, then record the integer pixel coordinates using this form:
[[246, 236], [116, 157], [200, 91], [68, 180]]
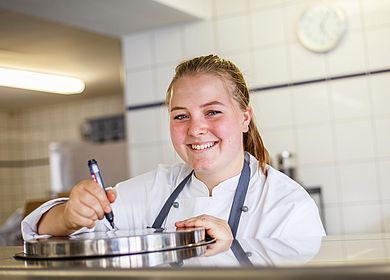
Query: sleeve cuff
[[30, 222]]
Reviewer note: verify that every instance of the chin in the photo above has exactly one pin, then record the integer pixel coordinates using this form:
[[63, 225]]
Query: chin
[[202, 167]]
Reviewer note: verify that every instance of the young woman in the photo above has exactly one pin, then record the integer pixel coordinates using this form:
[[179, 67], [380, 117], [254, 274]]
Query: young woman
[[224, 184]]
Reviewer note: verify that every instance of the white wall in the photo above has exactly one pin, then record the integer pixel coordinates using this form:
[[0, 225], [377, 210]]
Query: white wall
[[339, 131]]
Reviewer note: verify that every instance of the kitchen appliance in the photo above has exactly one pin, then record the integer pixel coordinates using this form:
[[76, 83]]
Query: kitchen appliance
[[68, 163]]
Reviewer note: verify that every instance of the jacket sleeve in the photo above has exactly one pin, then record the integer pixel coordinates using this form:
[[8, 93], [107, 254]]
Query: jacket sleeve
[[30, 222]]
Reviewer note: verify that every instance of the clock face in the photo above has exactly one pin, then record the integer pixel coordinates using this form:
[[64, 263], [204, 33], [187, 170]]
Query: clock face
[[321, 28]]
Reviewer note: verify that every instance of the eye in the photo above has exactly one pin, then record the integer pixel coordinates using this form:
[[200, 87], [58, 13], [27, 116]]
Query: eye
[[180, 117], [213, 113]]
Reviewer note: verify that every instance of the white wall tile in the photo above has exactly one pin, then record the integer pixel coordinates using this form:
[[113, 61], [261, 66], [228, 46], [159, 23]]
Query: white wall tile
[[143, 158], [139, 87], [277, 141], [164, 75], [168, 154], [193, 32], [271, 66], [261, 4], [311, 104], [233, 33], [243, 61], [354, 140], [350, 99], [137, 50], [352, 11], [349, 56], [315, 144], [359, 219], [376, 12], [267, 27], [273, 108], [386, 216], [321, 176], [230, 7], [333, 220], [384, 179], [293, 12], [305, 64], [142, 126], [380, 92], [382, 137], [168, 45], [163, 124], [358, 182], [378, 45]]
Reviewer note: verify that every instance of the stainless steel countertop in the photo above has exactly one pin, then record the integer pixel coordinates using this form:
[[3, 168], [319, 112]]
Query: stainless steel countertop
[[336, 257]]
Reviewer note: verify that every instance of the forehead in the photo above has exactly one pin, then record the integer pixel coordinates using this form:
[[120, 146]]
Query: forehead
[[201, 87]]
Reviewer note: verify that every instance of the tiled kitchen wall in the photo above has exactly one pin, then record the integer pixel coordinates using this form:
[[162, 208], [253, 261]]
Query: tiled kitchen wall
[[338, 131], [25, 136]]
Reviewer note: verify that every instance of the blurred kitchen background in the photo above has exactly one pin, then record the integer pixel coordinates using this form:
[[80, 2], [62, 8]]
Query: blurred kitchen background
[[337, 132]]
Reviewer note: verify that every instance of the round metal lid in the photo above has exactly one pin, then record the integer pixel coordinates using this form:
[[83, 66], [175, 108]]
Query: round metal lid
[[113, 243]]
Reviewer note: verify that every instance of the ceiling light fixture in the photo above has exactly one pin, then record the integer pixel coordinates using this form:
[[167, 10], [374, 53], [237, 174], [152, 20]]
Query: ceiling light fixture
[[40, 81]]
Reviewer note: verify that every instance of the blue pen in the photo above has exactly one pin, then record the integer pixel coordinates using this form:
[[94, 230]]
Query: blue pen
[[97, 177]]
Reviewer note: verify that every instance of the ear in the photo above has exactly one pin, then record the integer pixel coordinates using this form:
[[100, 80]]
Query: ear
[[247, 117]]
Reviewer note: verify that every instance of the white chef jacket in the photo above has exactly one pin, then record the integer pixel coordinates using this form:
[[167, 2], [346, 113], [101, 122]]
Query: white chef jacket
[[277, 206]]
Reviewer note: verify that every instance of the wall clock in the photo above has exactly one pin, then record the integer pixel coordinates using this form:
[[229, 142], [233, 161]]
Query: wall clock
[[321, 28]]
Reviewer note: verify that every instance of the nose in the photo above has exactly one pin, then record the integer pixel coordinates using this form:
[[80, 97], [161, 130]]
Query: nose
[[197, 127]]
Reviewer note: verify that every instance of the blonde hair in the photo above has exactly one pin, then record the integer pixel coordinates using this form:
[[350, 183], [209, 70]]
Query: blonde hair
[[213, 64]]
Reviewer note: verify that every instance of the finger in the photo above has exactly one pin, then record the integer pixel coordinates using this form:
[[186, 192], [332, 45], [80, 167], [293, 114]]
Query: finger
[[217, 247], [92, 203], [193, 222], [74, 220], [111, 194], [85, 212], [97, 191], [215, 227]]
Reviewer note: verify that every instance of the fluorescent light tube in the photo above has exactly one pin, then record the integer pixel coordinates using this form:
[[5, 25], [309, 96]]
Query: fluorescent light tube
[[40, 81]]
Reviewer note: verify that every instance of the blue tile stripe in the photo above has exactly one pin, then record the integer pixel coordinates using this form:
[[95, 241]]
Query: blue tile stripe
[[272, 87]]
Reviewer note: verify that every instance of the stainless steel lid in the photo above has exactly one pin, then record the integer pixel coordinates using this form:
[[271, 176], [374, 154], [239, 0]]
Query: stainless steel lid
[[168, 258], [113, 243]]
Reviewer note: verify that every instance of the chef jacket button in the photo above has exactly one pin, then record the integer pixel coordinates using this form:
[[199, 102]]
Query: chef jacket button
[[176, 204], [244, 208], [248, 254]]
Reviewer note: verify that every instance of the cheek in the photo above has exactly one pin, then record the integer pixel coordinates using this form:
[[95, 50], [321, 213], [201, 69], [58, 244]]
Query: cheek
[[177, 133], [226, 129]]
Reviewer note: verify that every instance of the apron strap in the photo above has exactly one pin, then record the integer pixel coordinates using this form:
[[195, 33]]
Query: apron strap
[[240, 254], [239, 196], [168, 204], [238, 201]]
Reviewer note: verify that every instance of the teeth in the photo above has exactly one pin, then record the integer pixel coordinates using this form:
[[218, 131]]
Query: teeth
[[203, 146]]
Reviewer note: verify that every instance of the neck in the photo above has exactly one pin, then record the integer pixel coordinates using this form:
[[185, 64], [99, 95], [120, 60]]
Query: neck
[[212, 179]]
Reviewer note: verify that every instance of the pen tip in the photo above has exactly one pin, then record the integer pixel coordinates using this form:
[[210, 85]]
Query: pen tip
[[112, 225]]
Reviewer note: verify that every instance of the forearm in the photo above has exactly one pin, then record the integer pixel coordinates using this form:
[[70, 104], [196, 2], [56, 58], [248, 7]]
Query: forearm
[[53, 222]]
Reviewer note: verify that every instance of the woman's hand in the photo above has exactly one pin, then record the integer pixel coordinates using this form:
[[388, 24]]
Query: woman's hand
[[215, 227], [217, 247], [87, 203]]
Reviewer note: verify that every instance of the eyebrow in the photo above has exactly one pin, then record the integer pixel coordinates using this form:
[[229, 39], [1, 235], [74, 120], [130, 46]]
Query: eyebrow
[[202, 106]]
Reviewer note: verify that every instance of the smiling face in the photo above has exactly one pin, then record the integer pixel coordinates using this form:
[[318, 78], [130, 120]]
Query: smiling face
[[207, 125]]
